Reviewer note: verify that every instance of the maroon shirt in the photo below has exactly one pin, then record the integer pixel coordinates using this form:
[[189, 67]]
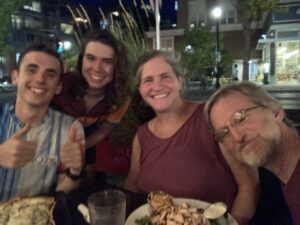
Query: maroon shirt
[[72, 105], [291, 191], [188, 164]]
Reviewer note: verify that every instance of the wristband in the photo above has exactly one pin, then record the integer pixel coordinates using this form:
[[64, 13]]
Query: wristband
[[74, 177]]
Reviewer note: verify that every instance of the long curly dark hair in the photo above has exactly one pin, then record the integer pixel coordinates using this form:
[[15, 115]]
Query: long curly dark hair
[[119, 88]]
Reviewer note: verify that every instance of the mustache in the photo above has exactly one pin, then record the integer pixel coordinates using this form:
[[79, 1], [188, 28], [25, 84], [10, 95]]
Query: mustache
[[245, 142]]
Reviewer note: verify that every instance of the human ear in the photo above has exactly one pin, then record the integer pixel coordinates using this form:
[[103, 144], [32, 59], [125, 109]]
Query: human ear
[[181, 82], [14, 76], [279, 113]]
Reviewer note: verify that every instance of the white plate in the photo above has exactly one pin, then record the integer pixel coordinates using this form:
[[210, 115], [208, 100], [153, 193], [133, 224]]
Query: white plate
[[145, 210]]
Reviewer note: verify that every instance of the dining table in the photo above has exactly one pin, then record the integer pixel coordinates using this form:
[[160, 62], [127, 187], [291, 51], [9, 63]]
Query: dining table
[[66, 212]]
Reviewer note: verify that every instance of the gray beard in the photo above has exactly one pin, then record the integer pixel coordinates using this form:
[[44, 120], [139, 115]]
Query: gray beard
[[263, 156]]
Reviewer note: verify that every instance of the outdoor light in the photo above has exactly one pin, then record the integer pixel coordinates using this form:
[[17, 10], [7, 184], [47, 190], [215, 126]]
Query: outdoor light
[[115, 13], [67, 45], [217, 12]]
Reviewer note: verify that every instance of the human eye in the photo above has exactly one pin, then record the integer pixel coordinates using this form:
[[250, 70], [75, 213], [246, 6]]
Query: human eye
[[52, 75], [108, 61], [90, 57], [31, 70], [239, 118], [221, 134], [147, 80], [165, 76]]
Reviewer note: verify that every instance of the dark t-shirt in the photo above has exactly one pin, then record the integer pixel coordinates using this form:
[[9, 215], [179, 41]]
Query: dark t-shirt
[[272, 208]]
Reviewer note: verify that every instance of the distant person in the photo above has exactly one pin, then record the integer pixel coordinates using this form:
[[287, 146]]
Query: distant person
[[251, 126], [41, 150], [235, 73], [97, 93], [175, 152]]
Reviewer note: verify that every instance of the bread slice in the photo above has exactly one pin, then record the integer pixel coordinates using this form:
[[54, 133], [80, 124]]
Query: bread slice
[[27, 211]]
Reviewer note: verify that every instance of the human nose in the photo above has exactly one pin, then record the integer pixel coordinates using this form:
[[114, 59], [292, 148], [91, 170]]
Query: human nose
[[236, 133], [40, 77], [98, 66], [156, 84]]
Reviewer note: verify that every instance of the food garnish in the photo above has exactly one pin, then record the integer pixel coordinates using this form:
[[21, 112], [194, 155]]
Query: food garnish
[[165, 212]]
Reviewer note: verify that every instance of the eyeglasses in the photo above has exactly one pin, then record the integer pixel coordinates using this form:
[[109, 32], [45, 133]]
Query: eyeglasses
[[238, 120]]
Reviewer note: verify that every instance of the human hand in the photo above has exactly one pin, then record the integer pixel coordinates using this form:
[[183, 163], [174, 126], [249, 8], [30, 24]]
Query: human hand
[[244, 174], [15, 152], [71, 153]]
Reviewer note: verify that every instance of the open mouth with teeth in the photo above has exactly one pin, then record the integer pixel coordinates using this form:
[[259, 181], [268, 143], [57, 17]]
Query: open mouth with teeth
[[38, 91], [97, 77], [160, 96]]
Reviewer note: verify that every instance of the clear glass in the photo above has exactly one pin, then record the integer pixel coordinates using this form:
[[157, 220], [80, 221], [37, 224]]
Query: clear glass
[[107, 207]]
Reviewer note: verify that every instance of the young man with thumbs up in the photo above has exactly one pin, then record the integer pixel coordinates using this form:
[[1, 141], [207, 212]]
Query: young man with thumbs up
[[41, 150]]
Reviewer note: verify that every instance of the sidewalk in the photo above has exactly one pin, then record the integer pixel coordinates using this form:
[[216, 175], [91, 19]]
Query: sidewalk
[[197, 94]]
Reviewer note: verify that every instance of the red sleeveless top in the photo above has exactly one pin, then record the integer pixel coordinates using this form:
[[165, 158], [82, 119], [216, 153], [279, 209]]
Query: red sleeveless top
[[188, 164]]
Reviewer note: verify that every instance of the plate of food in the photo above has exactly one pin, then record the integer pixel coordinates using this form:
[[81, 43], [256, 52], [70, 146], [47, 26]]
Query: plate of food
[[35, 210], [30, 210], [164, 209]]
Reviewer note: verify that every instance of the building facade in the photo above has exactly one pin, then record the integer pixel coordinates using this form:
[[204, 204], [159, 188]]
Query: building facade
[[198, 13], [280, 45], [39, 21]]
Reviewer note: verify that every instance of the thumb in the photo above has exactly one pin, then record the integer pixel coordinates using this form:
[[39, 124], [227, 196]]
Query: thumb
[[24, 130], [72, 134]]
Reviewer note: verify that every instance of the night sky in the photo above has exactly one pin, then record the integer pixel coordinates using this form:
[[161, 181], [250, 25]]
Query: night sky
[[167, 11]]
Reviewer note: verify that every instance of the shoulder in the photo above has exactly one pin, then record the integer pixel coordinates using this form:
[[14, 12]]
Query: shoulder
[[194, 107], [60, 116], [143, 128], [68, 80], [6, 107]]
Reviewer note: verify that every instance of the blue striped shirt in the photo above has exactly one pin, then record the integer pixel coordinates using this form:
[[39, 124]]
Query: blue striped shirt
[[39, 176]]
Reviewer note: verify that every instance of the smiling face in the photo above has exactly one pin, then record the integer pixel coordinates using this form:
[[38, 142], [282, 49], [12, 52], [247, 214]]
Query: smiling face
[[98, 65], [256, 140], [159, 85], [38, 79]]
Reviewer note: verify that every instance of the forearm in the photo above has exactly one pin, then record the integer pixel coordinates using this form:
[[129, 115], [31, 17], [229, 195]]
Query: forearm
[[65, 184], [130, 184], [245, 202], [99, 134]]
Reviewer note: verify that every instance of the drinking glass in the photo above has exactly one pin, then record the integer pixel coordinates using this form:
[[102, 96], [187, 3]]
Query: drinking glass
[[107, 207]]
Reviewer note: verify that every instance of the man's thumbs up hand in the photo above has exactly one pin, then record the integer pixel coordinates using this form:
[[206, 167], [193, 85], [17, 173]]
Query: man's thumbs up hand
[[15, 152], [71, 153]]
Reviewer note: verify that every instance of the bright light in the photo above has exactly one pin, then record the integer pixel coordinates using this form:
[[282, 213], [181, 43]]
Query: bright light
[[249, 61], [290, 54], [281, 50], [115, 13], [67, 45], [217, 12], [80, 20], [189, 49]]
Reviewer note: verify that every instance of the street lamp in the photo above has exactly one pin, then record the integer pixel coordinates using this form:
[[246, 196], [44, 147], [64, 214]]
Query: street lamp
[[217, 12]]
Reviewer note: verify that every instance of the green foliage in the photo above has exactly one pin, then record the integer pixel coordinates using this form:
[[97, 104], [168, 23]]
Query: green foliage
[[70, 57], [132, 36], [123, 134], [202, 55], [202, 52], [7, 7], [258, 7], [134, 39], [250, 11]]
